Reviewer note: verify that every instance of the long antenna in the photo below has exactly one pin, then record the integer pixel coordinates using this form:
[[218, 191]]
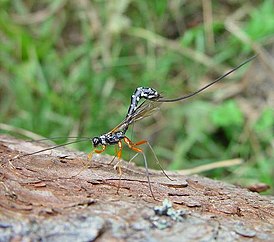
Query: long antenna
[[54, 147], [208, 85], [59, 137]]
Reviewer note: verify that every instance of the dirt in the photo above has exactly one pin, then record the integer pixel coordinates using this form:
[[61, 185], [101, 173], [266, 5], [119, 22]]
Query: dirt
[[53, 196]]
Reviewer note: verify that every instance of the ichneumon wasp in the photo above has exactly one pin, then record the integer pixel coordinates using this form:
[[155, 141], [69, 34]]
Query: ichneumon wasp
[[152, 101]]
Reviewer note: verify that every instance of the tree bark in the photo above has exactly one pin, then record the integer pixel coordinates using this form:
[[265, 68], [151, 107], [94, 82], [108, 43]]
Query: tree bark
[[54, 197]]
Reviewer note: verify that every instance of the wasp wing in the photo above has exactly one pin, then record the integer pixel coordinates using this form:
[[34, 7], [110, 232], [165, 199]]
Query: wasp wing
[[145, 109], [121, 126]]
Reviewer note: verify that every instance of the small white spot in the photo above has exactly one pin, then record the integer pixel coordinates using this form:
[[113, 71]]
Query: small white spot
[[103, 141]]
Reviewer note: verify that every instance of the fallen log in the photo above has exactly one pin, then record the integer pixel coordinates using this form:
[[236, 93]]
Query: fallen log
[[50, 197]]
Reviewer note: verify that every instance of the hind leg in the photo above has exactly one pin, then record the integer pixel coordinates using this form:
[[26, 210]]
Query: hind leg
[[133, 146]]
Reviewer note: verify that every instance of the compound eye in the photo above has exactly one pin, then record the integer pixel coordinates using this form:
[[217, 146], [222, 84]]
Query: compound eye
[[95, 141]]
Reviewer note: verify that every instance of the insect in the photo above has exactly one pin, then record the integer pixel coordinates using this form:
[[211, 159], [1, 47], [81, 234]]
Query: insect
[[152, 101]]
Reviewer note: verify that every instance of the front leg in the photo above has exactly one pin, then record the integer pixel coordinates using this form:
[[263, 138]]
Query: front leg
[[96, 151], [89, 158]]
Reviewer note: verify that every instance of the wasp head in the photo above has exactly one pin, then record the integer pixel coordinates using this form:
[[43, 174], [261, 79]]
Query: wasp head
[[96, 141]]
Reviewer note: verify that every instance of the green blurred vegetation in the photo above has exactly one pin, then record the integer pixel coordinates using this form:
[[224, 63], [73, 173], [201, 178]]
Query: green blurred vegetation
[[70, 67]]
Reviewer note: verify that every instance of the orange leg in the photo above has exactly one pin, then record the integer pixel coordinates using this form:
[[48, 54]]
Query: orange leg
[[132, 146], [96, 151], [90, 157], [119, 153], [118, 166]]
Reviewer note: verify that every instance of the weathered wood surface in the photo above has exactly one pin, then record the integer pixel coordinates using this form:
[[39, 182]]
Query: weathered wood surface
[[42, 197]]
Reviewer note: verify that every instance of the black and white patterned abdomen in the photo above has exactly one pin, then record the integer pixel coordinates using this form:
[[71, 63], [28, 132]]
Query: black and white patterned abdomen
[[141, 92]]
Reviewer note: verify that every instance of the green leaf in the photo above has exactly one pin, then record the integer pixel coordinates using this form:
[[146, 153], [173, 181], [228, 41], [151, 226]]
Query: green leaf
[[228, 114], [265, 121]]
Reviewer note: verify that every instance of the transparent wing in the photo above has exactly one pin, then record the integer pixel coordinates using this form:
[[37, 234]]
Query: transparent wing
[[145, 109], [120, 126]]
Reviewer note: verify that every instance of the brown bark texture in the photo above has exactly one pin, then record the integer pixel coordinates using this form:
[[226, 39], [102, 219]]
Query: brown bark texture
[[50, 197]]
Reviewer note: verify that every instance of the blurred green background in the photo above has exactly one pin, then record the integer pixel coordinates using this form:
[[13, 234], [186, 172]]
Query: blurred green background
[[68, 68]]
